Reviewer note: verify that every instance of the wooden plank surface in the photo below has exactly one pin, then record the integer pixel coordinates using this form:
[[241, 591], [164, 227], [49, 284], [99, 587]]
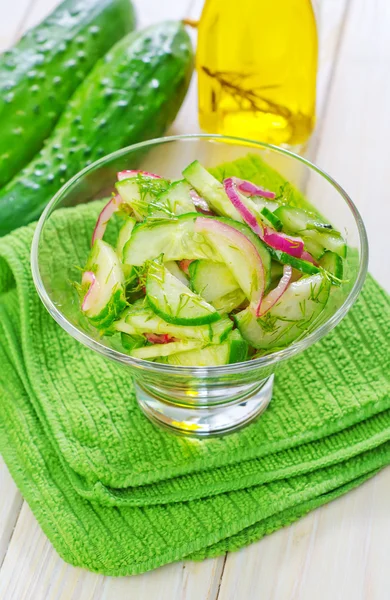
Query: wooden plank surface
[[339, 551]]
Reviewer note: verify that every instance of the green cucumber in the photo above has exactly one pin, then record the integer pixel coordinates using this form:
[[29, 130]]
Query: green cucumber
[[159, 350], [333, 264], [124, 236], [176, 200], [107, 300], [130, 342], [316, 235], [173, 268], [234, 349], [139, 191], [140, 319], [238, 351], [40, 73], [209, 356], [317, 243], [173, 301], [271, 218], [211, 279], [295, 313], [211, 190], [132, 94], [225, 304], [176, 239], [297, 263]]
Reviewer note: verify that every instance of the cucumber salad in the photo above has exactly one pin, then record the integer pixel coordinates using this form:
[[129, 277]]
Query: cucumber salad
[[205, 272]]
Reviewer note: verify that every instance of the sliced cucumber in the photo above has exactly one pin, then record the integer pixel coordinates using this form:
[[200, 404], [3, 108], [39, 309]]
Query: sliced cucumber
[[105, 298], [139, 191], [140, 319], [316, 235], [225, 304], [209, 356], [129, 342], [157, 350], [211, 190], [297, 263], [174, 268], [276, 271], [238, 351], [211, 279], [233, 350], [317, 242], [290, 318], [175, 238], [294, 220], [175, 302], [176, 200], [271, 218], [124, 236], [333, 264]]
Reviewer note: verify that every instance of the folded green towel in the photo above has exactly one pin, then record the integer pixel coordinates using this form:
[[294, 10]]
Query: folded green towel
[[76, 442]]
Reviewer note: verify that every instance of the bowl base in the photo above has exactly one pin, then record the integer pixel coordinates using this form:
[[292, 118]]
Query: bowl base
[[204, 421]]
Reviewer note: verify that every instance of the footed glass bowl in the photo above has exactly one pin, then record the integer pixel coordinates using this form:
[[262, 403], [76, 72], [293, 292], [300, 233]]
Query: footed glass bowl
[[199, 401]]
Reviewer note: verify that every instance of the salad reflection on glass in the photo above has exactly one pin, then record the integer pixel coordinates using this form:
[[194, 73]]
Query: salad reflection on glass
[[202, 272]]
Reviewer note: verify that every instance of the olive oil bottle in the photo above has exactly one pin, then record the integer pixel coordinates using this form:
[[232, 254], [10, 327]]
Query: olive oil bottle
[[257, 67]]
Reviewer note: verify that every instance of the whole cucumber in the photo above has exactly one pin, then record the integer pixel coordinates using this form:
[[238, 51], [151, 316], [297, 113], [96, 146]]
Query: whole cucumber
[[39, 75], [131, 95]]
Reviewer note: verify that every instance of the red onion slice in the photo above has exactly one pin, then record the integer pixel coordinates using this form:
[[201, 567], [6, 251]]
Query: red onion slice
[[200, 203], [127, 174], [274, 295], [291, 245], [159, 338], [93, 290], [307, 256], [250, 189], [249, 218], [110, 208], [184, 264]]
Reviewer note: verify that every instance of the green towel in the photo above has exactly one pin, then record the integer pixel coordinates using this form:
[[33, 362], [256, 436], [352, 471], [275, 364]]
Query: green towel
[[119, 496]]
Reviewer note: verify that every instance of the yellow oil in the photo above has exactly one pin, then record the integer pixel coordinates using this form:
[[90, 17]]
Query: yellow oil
[[257, 66]]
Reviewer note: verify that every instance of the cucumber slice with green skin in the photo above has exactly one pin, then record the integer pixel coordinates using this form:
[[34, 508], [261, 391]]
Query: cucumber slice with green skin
[[177, 239], [158, 350], [233, 350], [140, 319], [173, 301], [174, 268], [261, 203], [271, 219], [238, 351], [332, 241], [276, 271], [139, 191], [316, 235], [211, 279], [210, 356], [176, 200], [124, 236], [225, 304], [130, 342], [239, 254], [105, 298], [291, 317], [297, 263], [333, 264], [296, 220], [211, 190]]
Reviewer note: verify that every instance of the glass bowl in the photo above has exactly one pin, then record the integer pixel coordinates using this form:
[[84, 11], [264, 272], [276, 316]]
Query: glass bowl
[[198, 401]]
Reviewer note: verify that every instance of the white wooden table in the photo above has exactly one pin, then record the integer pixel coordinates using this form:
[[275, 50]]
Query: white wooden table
[[342, 550]]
